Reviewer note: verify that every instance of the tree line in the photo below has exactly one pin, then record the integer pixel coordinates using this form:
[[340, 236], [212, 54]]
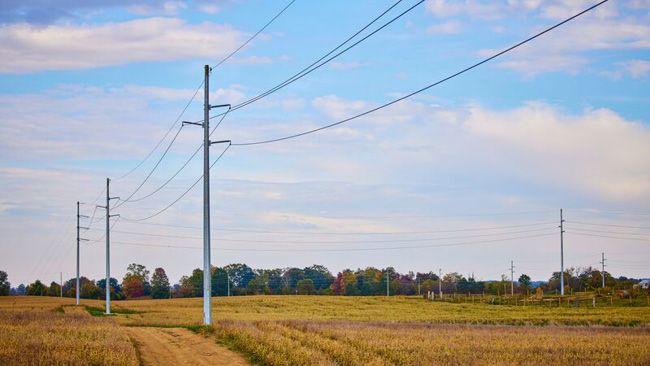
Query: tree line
[[240, 279]]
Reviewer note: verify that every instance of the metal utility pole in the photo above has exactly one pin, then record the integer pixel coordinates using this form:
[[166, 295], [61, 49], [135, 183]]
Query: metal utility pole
[[79, 239], [512, 278], [602, 273], [387, 279], [207, 280], [561, 253], [107, 286], [440, 282]]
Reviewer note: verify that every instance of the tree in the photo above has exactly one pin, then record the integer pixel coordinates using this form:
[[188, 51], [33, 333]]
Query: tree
[[116, 289], [5, 286], [240, 276], [36, 289], [305, 287], [141, 272], [159, 284], [219, 281], [524, 281], [320, 275], [54, 290], [132, 286]]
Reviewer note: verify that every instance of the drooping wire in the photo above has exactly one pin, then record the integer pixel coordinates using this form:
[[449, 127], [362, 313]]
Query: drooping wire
[[226, 58], [424, 88], [182, 195]]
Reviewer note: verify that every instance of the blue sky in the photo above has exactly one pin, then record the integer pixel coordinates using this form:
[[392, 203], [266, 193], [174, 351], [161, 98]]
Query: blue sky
[[87, 89]]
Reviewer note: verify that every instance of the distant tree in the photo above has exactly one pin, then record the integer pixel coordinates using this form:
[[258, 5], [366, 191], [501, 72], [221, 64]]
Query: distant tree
[[524, 282], [141, 272], [116, 289], [36, 289], [5, 286], [159, 284], [338, 286], [240, 276], [132, 286], [305, 287], [219, 282], [90, 290], [21, 290], [320, 275], [54, 290], [192, 286]]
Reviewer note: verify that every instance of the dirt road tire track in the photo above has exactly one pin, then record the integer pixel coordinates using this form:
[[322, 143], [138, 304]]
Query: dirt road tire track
[[179, 346]]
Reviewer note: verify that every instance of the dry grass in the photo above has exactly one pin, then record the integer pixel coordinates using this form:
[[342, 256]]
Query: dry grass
[[366, 343], [183, 312], [36, 331]]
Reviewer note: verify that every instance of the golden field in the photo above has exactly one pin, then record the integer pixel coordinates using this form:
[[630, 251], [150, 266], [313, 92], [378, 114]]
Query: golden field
[[324, 330]]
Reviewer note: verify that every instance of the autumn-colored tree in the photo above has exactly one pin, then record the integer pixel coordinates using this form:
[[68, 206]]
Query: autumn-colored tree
[[132, 286]]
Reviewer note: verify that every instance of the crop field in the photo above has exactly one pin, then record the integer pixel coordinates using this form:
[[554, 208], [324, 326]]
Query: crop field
[[303, 330]]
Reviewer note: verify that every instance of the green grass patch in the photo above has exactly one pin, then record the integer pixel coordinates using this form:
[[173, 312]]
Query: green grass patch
[[97, 311]]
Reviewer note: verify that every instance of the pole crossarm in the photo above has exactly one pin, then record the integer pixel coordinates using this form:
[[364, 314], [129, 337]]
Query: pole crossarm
[[221, 142], [221, 106], [192, 123]]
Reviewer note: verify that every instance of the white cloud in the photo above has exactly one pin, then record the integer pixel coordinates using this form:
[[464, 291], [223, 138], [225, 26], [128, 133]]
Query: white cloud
[[450, 27], [636, 68], [28, 48]]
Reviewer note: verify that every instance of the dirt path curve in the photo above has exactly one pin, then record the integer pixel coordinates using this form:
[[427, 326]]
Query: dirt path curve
[[179, 346]]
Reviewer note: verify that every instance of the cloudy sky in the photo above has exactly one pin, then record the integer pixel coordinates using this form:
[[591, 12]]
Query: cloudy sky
[[465, 177]]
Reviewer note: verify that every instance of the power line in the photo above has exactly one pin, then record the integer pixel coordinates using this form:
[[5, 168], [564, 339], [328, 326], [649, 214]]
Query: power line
[[199, 88], [334, 241], [608, 232], [609, 236], [184, 193], [610, 225], [424, 88], [253, 36], [309, 69], [347, 233], [341, 249]]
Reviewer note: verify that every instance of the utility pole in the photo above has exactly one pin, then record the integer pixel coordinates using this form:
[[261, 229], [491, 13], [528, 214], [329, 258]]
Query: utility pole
[[512, 278], [108, 244], [440, 282], [561, 253], [228, 276], [207, 280], [602, 273], [79, 239], [387, 279]]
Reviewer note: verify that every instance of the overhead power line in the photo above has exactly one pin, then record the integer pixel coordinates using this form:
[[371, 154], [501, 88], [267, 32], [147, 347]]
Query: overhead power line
[[244, 230], [343, 249], [284, 241], [260, 142], [609, 236], [609, 225], [226, 58]]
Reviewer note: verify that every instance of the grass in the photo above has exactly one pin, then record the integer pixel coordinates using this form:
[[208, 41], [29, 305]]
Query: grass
[[47, 336], [302, 330], [184, 312]]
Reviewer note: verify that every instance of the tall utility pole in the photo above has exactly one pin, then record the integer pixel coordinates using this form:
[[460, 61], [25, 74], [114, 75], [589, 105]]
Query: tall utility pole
[[440, 282], [602, 273], [108, 244], [561, 253], [207, 280], [512, 278], [79, 239], [387, 279]]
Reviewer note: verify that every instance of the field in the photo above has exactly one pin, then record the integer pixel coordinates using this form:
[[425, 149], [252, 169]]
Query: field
[[293, 330]]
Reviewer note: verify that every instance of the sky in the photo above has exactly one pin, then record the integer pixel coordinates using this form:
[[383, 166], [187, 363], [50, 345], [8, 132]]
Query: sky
[[464, 177]]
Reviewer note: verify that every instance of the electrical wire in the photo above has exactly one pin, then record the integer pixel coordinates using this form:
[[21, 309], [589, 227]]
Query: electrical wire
[[335, 241], [184, 193], [610, 225], [606, 231], [341, 249], [260, 142], [346, 233], [608, 236]]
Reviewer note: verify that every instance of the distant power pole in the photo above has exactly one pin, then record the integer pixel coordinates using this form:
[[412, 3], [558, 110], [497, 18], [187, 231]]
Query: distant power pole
[[387, 279], [561, 253], [107, 286], [228, 277], [602, 274], [512, 278], [207, 278], [440, 282], [79, 239]]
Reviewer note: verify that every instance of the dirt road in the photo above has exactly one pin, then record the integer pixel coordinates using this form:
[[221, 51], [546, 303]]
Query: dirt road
[[179, 346]]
